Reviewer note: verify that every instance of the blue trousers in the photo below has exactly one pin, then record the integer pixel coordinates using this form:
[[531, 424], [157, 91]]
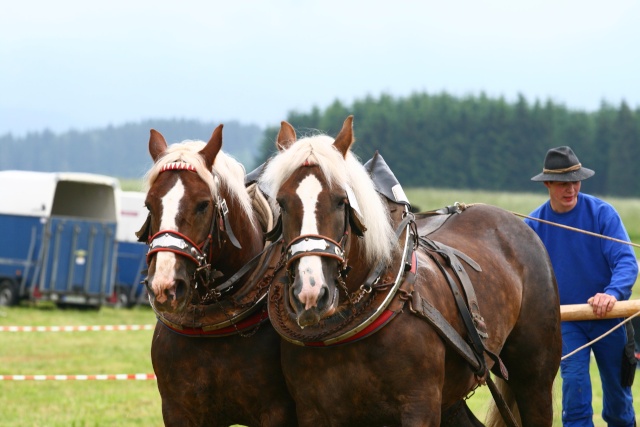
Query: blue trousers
[[617, 409]]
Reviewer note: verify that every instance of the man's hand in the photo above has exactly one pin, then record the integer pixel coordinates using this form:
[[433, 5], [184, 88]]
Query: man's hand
[[602, 304]]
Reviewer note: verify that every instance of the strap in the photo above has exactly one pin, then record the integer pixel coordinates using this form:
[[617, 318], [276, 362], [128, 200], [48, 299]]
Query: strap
[[224, 210], [275, 233], [422, 308], [248, 266], [377, 271], [503, 408], [451, 256], [476, 342]]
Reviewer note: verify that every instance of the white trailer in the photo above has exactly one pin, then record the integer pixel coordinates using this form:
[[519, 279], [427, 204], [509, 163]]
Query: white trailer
[[131, 256], [58, 237]]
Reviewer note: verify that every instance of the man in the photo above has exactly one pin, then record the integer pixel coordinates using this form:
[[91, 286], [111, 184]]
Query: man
[[590, 270]]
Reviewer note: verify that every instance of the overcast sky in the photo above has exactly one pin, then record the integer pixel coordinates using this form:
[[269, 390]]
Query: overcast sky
[[85, 64]]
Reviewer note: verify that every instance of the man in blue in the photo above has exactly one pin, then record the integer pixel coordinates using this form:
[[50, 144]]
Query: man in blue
[[590, 270]]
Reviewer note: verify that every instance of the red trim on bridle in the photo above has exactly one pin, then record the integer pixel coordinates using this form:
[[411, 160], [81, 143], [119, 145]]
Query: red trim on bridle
[[185, 246]]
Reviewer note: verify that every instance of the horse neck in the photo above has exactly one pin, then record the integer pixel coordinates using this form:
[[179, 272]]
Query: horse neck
[[360, 270]]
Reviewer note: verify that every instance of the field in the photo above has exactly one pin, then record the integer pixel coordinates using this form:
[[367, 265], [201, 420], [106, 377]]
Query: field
[[137, 403]]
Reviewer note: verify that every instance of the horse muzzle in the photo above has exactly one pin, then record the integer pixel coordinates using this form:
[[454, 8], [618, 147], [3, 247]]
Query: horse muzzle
[[169, 289], [310, 296]]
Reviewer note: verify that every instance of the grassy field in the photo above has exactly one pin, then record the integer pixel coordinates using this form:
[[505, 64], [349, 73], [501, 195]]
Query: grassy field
[[137, 403], [77, 403]]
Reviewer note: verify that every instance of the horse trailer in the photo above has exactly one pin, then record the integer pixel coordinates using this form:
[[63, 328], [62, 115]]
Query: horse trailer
[[131, 254], [58, 237]]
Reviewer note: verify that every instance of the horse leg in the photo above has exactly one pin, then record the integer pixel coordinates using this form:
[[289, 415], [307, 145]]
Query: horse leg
[[459, 415], [179, 406], [533, 366]]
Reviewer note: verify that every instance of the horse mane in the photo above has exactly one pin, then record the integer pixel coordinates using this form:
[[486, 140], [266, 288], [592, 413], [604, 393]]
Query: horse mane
[[379, 239], [226, 171]]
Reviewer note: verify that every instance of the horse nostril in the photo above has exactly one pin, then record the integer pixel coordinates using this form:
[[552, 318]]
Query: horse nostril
[[324, 298], [180, 289]]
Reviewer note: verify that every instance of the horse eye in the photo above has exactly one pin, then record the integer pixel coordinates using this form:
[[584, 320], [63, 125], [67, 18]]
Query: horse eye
[[202, 206]]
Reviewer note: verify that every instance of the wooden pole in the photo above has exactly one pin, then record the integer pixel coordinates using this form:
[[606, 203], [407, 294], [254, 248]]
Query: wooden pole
[[573, 312]]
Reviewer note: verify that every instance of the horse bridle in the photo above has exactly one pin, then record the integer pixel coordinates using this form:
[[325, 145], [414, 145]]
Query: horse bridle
[[323, 246], [179, 244], [318, 245]]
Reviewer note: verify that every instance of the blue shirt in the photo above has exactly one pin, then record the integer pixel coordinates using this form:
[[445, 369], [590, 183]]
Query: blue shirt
[[585, 265]]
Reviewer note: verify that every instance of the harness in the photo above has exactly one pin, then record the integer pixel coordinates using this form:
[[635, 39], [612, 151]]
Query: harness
[[369, 311], [215, 315], [364, 316]]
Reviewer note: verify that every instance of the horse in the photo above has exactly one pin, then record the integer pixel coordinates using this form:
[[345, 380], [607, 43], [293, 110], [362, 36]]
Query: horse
[[214, 353], [389, 318]]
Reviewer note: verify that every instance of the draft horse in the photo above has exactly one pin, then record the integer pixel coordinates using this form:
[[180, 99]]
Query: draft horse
[[215, 355], [391, 320]]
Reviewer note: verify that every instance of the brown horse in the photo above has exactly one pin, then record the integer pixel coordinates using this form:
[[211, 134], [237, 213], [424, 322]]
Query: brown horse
[[378, 328], [215, 355]]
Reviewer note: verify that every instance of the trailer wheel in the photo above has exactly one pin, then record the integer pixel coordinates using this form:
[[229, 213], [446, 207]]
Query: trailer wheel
[[122, 299], [8, 293]]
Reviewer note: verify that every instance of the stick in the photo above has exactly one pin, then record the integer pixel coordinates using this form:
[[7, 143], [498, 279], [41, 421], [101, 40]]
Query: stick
[[572, 312]]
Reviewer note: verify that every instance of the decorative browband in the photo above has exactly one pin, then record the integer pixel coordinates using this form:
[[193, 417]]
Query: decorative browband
[[173, 166]]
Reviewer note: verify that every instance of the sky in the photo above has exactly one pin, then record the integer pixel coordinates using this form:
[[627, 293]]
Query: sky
[[77, 64]]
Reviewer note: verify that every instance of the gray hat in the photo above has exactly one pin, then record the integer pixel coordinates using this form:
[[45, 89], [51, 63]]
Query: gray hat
[[561, 164]]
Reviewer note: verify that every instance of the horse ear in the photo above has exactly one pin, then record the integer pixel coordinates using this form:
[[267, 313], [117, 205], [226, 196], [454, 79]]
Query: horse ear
[[286, 136], [211, 150], [345, 137], [157, 145]]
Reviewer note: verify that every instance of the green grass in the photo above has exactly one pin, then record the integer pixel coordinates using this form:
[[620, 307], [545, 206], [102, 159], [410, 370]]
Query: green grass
[[77, 403], [137, 403], [109, 403]]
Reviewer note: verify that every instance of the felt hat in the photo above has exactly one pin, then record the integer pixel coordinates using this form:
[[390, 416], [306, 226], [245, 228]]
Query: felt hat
[[561, 164]]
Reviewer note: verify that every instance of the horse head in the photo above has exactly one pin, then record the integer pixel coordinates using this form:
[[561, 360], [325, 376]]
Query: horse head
[[327, 201], [193, 240]]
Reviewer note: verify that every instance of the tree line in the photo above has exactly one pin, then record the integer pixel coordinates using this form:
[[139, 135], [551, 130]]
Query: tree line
[[475, 142], [429, 140], [119, 151]]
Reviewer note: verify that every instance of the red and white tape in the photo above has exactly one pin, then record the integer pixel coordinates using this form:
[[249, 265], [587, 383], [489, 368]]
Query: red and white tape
[[76, 328], [118, 377]]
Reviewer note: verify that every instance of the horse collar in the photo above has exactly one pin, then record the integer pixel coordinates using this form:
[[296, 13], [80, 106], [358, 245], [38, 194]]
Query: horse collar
[[369, 315]]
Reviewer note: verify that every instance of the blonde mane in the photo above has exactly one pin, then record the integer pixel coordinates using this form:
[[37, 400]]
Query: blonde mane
[[226, 171], [380, 237]]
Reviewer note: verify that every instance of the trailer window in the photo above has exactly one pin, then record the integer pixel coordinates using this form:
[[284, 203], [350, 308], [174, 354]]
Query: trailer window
[[84, 200]]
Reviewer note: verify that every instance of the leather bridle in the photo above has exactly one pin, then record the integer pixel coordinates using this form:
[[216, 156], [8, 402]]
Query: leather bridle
[[323, 246], [179, 244]]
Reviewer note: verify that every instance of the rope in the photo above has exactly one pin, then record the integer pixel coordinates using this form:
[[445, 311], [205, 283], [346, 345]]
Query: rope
[[463, 206], [577, 230], [600, 337]]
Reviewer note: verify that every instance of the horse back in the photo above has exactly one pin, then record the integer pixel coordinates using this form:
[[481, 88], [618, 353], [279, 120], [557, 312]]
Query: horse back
[[516, 289]]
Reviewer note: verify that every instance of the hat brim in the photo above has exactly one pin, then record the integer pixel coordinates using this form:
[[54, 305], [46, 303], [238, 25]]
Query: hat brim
[[579, 175]]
